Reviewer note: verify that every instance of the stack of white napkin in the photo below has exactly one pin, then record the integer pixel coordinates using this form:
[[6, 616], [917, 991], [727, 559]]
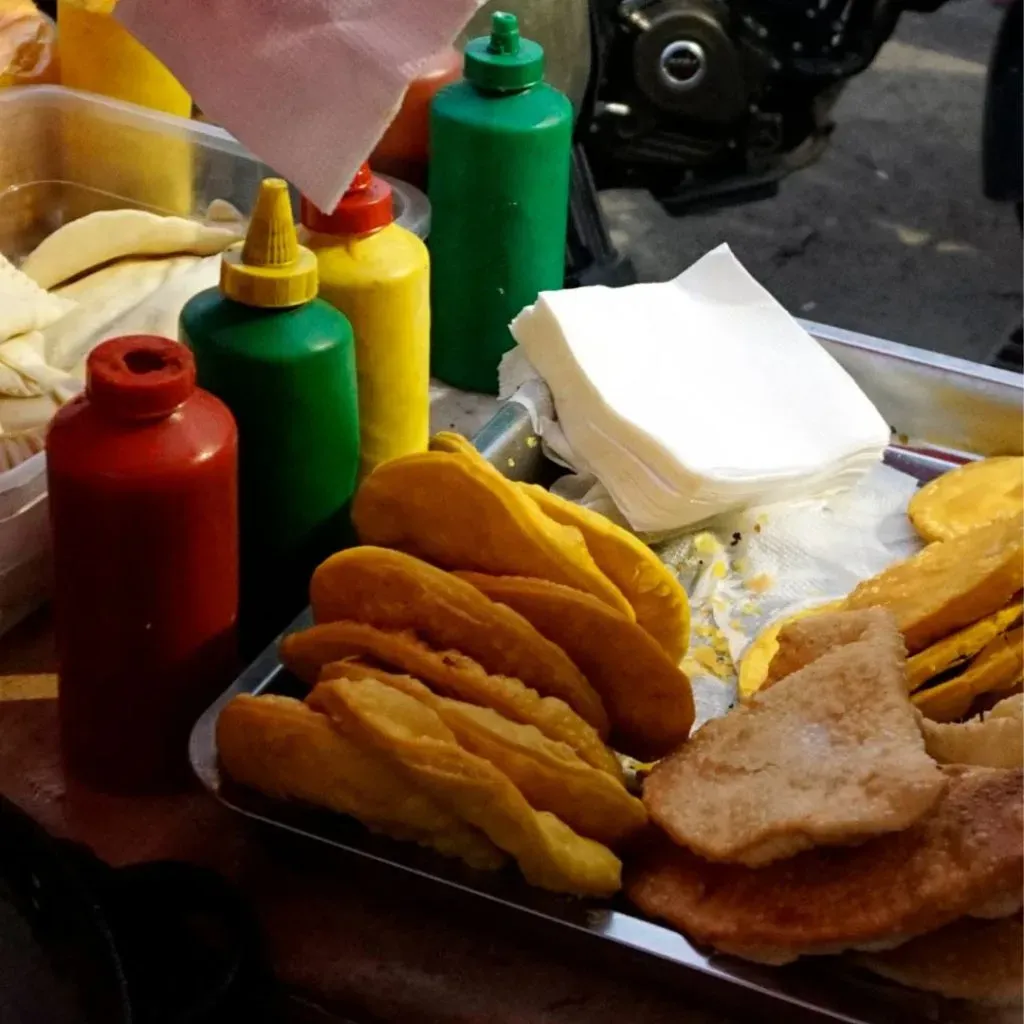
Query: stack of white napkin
[[696, 396]]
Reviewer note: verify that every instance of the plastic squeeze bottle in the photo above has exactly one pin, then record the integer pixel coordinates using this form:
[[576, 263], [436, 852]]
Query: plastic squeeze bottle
[[142, 476], [500, 147], [378, 274], [283, 361]]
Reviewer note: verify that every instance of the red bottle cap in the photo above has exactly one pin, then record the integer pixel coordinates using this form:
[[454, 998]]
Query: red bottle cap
[[366, 206], [140, 376]]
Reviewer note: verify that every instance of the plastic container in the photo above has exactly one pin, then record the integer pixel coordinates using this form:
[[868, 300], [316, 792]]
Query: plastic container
[[40, 190], [378, 274], [143, 482], [283, 361], [99, 55], [501, 143]]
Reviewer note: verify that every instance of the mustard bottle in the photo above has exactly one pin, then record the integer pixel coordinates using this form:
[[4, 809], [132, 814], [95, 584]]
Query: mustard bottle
[[378, 274]]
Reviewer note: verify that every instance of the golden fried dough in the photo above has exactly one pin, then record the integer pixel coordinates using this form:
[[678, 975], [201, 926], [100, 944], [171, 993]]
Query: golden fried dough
[[647, 697], [965, 853], [969, 496], [968, 959], [950, 584], [448, 672], [652, 589], [285, 750], [416, 741], [997, 669], [959, 647], [551, 775], [453, 512], [395, 591], [831, 754], [995, 740]]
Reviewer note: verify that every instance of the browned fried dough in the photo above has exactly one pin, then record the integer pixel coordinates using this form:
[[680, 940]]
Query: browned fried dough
[[414, 739], [449, 673], [831, 754], [968, 959], [648, 698], [806, 639], [286, 750], [459, 513], [995, 740], [965, 854], [394, 591], [551, 775]]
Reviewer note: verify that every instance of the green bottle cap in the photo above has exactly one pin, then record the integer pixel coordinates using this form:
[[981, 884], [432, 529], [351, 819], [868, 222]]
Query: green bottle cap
[[504, 62]]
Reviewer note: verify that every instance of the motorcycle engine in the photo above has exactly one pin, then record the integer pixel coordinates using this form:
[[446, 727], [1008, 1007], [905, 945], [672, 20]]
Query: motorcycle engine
[[705, 102]]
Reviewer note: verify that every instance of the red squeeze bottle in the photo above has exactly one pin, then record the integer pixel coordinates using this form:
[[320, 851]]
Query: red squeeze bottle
[[142, 475]]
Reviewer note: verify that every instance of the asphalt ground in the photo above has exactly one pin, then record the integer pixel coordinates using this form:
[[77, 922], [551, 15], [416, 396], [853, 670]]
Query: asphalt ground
[[889, 233]]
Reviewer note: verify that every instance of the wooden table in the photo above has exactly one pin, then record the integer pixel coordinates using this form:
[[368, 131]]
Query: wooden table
[[349, 940]]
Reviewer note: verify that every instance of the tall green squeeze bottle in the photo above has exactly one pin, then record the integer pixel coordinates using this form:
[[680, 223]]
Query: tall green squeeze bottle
[[500, 145], [283, 361]]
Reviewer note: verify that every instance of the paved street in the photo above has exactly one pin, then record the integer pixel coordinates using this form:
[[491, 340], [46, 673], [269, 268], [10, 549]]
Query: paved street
[[889, 233]]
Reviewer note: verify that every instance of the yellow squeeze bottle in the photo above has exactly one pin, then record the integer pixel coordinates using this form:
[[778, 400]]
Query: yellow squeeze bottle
[[378, 274]]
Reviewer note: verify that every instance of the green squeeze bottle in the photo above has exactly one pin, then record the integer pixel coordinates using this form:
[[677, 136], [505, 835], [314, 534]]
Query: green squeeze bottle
[[500, 148], [283, 361]]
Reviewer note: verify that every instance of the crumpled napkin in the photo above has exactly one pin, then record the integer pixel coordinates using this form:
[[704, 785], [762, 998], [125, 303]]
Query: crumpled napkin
[[307, 85]]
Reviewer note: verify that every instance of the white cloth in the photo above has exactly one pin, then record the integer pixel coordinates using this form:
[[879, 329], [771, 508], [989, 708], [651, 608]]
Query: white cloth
[[308, 85], [691, 398]]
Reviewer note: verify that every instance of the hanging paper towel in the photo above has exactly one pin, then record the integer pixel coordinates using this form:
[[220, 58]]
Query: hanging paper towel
[[308, 85]]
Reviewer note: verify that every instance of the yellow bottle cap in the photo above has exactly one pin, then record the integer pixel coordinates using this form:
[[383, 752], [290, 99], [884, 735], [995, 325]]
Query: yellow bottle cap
[[270, 269]]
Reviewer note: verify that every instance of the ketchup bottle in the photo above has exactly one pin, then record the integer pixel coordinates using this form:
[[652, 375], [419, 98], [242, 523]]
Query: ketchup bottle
[[142, 474]]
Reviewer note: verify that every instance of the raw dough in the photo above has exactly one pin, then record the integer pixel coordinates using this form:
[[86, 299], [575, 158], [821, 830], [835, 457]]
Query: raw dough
[[105, 300], [108, 235], [24, 306]]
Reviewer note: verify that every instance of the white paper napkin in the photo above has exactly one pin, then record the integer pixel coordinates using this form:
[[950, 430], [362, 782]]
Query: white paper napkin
[[690, 398], [308, 85]]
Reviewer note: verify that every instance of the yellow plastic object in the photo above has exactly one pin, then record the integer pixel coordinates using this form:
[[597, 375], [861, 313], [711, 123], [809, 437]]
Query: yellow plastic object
[[970, 496], [758, 656], [381, 282], [99, 55], [270, 270], [959, 647], [28, 45], [997, 669]]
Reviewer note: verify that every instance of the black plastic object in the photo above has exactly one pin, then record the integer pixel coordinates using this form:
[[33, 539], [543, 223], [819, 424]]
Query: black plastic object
[[157, 943], [590, 256]]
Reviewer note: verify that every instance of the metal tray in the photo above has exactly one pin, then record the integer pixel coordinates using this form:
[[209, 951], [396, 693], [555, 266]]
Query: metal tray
[[943, 410]]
